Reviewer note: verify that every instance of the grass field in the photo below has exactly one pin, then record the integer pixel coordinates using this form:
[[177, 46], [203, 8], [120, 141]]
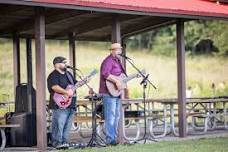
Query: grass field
[[201, 71], [201, 145]]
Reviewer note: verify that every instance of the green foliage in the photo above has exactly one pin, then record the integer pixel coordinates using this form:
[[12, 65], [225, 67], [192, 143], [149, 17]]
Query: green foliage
[[163, 41]]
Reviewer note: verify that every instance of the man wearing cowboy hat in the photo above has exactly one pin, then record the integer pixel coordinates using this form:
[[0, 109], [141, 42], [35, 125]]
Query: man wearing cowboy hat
[[110, 67]]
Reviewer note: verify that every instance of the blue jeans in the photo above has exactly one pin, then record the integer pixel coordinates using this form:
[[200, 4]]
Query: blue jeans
[[61, 125], [112, 116]]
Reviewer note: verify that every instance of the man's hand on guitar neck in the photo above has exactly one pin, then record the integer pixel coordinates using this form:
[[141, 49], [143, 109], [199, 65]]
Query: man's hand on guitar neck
[[83, 81], [114, 80]]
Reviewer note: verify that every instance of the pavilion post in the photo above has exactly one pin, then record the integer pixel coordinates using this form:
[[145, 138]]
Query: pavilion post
[[40, 79], [116, 38], [16, 62], [72, 52], [123, 42], [181, 78], [116, 32], [29, 72]]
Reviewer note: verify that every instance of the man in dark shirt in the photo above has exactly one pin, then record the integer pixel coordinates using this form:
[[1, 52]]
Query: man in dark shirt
[[62, 118], [111, 67]]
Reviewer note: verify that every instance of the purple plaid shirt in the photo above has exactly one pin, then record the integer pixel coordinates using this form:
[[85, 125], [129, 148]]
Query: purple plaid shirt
[[110, 65]]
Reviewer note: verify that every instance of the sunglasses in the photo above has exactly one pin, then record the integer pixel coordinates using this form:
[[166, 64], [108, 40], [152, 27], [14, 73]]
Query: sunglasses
[[64, 62]]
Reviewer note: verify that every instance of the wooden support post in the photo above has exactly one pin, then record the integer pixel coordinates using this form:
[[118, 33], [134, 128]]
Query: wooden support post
[[40, 79], [181, 78], [124, 52], [72, 52], [116, 38], [16, 62], [116, 32], [29, 72]]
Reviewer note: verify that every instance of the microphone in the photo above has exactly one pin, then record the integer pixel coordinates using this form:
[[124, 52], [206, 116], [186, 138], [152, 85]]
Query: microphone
[[70, 67], [124, 56]]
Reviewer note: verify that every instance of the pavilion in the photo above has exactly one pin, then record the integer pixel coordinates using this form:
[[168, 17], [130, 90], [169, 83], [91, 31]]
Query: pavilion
[[96, 20]]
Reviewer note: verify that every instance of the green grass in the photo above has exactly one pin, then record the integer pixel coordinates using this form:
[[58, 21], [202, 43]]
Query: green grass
[[199, 145]]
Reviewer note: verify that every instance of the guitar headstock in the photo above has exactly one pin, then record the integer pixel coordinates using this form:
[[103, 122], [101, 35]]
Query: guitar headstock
[[93, 73], [87, 78]]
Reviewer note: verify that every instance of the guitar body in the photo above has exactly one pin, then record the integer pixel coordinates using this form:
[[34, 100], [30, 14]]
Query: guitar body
[[61, 100], [64, 102], [112, 88]]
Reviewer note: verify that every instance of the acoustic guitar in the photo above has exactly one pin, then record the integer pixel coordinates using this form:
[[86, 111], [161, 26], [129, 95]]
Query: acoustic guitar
[[112, 88]]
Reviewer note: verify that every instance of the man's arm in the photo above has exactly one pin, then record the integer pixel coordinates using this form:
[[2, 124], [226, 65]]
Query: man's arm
[[114, 80], [60, 90]]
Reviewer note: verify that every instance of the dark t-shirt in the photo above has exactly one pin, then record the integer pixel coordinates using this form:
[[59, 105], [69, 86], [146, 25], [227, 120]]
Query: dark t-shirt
[[56, 78]]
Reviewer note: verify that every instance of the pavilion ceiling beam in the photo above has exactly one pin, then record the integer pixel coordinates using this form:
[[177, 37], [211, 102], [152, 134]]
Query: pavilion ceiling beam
[[145, 28], [8, 10], [52, 18], [86, 26], [50, 37], [100, 39], [13, 16], [65, 18]]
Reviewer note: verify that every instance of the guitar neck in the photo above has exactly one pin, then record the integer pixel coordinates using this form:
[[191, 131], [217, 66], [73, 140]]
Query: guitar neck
[[76, 86], [79, 84], [83, 81], [130, 77]]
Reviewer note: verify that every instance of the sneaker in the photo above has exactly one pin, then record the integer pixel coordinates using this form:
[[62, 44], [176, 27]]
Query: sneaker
[[74, 145], [66, 144], [62, 146]]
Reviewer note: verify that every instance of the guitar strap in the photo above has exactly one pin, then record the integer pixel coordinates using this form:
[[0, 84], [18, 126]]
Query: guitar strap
[[121, 65], [69, 77]]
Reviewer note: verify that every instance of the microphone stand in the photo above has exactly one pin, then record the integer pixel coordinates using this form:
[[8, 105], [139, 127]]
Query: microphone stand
[[93, 97], [144, 84]]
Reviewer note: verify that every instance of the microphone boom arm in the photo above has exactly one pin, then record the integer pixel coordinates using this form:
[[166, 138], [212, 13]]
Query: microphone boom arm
[[145, 77]]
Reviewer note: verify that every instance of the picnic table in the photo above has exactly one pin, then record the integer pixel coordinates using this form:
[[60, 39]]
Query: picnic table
[[4, 105], [196, 108], [208, 106]]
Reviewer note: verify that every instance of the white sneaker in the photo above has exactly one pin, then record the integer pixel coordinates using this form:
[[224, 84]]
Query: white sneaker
[[62, 146], [66, 144]]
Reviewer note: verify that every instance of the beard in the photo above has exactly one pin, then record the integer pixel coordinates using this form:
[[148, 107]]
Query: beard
[[119, 56], [63, 69]]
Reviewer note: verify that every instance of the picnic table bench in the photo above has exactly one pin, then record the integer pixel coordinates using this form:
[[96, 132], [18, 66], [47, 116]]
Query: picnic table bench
[[3, 135]]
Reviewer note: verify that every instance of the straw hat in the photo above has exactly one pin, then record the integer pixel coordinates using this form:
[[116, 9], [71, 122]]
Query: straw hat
[[115, 46]]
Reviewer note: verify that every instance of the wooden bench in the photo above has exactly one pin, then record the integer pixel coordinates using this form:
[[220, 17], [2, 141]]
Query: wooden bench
[[197, 114], [85, 119], [3, 135]]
